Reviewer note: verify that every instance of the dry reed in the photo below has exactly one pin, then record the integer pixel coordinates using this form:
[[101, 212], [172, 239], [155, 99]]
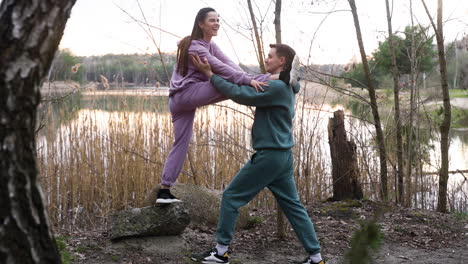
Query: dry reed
[[101, 161]]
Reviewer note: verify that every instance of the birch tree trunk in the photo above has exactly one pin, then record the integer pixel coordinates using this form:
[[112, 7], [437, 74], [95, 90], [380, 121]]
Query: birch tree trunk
[[30, 33], [375, 110], [445, 126]]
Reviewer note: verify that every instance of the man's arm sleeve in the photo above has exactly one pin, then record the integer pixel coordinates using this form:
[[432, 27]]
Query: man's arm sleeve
[[246, 95]]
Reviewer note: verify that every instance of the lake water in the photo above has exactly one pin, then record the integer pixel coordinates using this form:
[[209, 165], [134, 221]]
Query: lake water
[[222, 132]]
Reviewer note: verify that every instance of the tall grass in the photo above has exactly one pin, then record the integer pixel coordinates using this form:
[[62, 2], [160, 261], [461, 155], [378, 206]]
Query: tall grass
[[100, 154]]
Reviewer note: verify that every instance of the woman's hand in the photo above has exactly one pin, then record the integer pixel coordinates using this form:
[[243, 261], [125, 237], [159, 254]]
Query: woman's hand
[[274, 76], [258, 85]]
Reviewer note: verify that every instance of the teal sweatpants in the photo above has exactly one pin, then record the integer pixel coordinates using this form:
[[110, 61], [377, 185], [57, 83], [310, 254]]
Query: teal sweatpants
[[272, 169]]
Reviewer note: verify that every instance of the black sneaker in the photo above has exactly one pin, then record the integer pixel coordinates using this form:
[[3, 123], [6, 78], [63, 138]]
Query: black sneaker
[[309, 261], [165, 197], [211, 256]]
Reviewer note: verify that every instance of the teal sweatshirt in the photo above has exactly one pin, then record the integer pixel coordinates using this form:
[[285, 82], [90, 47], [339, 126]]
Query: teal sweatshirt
[[272, 127]]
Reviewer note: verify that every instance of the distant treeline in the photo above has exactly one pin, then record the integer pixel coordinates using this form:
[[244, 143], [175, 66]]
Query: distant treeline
[[148, 70], [424, 60], [128, 69]]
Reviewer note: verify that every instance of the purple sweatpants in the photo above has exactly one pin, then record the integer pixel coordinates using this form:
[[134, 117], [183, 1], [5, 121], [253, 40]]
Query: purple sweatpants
[[182, 106]]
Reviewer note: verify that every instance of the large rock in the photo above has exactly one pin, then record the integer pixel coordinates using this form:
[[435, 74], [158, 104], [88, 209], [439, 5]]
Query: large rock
[[203, 204], [160, 220]]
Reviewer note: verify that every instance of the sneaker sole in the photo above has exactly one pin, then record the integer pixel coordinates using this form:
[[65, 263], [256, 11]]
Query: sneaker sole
[[168, 201]]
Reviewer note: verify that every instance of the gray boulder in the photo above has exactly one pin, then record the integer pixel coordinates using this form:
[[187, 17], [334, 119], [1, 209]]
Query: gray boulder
[[160, 220], [203, 204]]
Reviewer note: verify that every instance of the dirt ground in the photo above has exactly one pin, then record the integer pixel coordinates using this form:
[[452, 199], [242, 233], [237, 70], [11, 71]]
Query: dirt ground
[[409, 236]]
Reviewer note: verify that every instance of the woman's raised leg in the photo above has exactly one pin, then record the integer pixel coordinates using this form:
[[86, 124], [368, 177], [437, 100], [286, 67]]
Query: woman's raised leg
[[197, 95]]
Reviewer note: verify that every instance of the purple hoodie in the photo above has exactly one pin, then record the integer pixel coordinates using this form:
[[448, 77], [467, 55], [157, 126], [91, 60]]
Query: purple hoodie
[[220, 63]]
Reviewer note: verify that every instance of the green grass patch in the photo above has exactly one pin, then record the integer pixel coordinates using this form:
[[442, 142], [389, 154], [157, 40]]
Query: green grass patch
[[399, 229], [459, 116], [389, 93], [67, 257], [81, 249], [462, 216], [253, 221], [458, 93]]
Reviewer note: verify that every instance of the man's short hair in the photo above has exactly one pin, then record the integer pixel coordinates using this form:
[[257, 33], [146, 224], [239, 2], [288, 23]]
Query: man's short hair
[[283, 50]]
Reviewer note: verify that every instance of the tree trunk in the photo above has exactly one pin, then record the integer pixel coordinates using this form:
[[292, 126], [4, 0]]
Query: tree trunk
[[455, 76], [396, 91], [30, 32], [345, 172], [277, 21], [375, 110], [410, 129], [409, 138], [445, 126], [280, 218], [257, 38]]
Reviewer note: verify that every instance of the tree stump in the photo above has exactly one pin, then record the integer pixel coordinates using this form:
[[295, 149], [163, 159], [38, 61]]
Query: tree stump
[[345, 172]]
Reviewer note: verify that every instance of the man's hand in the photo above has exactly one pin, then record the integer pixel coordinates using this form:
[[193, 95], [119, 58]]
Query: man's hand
[[203, 66]]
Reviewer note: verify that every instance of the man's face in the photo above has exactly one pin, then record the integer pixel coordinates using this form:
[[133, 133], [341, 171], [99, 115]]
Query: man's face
[[273, 63]]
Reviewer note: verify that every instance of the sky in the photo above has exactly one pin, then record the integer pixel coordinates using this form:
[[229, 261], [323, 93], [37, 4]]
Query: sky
[[101, 27]]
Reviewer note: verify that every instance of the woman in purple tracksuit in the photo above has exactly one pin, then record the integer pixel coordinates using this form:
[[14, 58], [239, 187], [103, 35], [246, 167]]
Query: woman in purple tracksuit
[[191, 89]]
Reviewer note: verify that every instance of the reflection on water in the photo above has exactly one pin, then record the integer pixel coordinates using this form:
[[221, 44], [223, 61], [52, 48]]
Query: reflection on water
[[118, 145], [128, 102], [458, 152]]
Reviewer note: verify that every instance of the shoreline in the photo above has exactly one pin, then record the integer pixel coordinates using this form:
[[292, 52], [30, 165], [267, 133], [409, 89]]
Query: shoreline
[[90, 89], [145, 92]]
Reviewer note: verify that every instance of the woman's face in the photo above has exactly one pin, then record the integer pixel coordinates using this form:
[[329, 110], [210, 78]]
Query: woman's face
[[210, 26]]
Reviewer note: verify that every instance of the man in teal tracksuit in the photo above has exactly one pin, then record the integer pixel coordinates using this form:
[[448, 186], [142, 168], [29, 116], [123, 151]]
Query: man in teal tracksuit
[[272, 164]]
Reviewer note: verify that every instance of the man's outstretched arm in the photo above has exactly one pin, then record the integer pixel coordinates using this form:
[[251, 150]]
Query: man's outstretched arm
[[240, 94], [246, 95]]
